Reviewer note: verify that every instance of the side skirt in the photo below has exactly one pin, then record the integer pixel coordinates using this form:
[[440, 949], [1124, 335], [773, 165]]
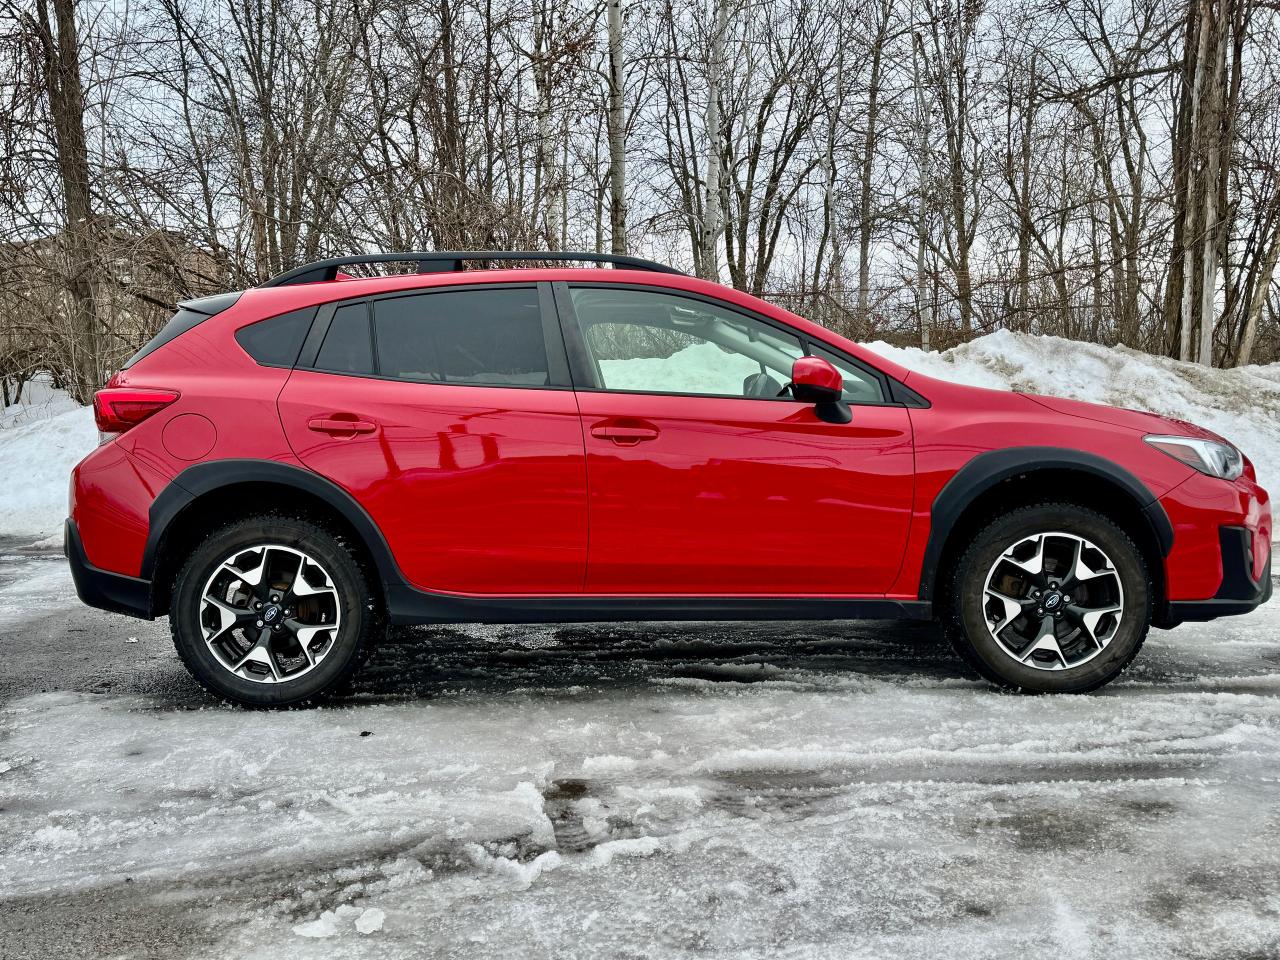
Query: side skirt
[[409, 606]]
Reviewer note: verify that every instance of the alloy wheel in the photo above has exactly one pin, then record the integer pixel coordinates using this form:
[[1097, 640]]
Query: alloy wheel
[[270, 613], [1053, 601]]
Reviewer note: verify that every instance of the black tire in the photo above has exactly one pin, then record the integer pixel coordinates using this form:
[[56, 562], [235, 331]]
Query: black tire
[[965, 619], [361, 622]]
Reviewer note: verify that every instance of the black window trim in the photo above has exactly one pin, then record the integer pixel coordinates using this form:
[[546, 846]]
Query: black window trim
[[558, 373], [583, 367], [368, 322]]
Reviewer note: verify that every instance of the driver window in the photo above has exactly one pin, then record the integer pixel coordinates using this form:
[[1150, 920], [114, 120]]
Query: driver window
[[645, 342]]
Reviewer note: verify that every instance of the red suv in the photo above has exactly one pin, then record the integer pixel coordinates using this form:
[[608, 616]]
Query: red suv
[[286, 470]]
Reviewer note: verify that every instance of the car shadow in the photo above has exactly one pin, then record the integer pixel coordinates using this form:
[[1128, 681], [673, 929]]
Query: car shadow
[[454, 660]]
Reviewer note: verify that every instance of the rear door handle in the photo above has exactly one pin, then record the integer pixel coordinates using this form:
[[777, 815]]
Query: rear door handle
[[334, 425], [625, 432]]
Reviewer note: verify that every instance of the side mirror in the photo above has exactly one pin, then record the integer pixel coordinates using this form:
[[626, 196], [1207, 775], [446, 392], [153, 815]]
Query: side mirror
[[816, 381]]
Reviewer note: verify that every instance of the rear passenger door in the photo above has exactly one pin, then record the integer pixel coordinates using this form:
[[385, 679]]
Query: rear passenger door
[[449, 415]]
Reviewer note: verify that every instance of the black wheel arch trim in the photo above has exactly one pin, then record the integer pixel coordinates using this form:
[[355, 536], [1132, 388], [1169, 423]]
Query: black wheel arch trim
[[986, 470], [203, 478]]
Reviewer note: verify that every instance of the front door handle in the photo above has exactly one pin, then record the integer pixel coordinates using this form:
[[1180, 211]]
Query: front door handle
[[339, 425], [625, 431]]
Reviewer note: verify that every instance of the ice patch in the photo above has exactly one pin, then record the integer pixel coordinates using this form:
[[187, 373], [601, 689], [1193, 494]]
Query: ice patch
[[604, 854], [55, 836], [607, 765], [326, 925], [521, 875]]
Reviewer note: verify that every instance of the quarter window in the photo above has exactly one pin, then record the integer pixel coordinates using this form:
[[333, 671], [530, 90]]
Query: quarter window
[[277, 341], [646, 342], [467, 336]]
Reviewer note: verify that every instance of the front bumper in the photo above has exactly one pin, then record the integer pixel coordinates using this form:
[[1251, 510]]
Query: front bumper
[[1239, 592], [102, 588]]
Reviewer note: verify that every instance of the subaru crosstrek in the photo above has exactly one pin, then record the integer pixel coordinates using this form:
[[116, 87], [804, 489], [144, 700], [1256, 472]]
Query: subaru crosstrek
[[287, 470]]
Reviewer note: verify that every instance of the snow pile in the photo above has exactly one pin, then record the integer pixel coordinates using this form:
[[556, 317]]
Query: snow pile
[[38, 447], [705, 365], [1241, 404]]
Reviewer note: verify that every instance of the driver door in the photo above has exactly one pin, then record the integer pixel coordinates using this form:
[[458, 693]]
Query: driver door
[[703, 480]]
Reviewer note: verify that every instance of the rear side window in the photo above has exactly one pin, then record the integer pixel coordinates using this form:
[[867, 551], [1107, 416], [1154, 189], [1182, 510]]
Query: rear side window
[[276, 341], [467, 336], [346, 347]]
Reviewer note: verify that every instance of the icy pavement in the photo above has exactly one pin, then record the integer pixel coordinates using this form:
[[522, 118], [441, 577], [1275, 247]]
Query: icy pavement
[[663, 790]]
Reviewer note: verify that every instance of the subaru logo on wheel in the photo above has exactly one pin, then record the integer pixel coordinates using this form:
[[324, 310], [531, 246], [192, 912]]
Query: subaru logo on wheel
[[1052, 601], [270, 614]]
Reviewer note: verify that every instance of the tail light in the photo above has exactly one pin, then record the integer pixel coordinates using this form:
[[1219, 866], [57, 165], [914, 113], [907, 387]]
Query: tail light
[[116, 409]]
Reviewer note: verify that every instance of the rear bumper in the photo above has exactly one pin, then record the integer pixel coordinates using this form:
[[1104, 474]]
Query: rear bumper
[[1239, 592], [102, 588]]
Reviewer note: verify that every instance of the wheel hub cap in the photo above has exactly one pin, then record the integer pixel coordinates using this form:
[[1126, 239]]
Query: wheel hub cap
[[270, 613], [1053, 601]]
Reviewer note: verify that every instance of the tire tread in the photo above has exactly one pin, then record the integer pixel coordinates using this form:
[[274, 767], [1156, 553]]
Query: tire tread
[[952, 619], [366, 640]]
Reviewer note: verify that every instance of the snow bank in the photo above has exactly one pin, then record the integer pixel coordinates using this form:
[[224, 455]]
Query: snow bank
[[38, 447], [1241, 404], [702, 363], [40, 444]]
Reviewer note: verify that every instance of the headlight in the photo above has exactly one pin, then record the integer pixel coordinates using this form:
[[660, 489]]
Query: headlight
[[1208, 456]]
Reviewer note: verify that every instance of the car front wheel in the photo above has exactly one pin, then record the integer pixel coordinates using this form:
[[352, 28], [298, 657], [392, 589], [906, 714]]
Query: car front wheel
[[272, 611], [1053, 598]]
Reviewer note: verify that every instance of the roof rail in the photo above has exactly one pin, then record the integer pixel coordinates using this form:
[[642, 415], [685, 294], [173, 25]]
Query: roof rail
[[446, 261]]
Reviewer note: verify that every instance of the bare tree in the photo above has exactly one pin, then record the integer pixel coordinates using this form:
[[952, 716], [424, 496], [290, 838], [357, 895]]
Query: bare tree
[[916, 170], [709, 234]]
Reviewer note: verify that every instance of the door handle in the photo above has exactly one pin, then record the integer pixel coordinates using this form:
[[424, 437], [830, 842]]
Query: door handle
[[625, 432], [337, 425]]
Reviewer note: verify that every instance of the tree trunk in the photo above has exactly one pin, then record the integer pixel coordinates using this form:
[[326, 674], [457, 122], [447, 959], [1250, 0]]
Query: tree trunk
[[1022, 200], [1183, 150], [1194, 182], [869, 144], [546, 182], [61, 75], [1213, 125], [1261, 290], [617, 123], [924, 303], [711, 218]]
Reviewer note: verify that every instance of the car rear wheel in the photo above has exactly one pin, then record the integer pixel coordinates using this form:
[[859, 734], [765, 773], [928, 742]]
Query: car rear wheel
[[1051, 598], [273, 611]]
